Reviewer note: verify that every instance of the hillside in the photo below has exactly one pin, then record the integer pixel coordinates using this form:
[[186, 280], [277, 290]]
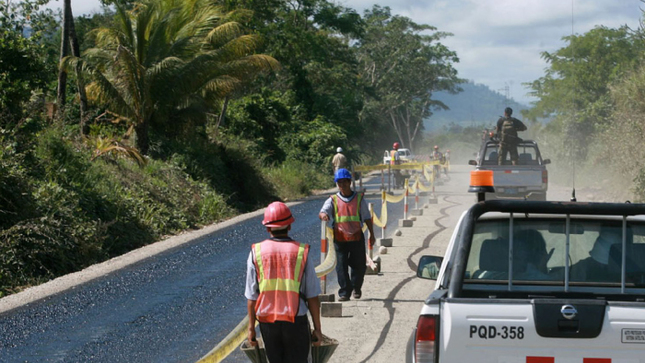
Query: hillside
[[475, 105]]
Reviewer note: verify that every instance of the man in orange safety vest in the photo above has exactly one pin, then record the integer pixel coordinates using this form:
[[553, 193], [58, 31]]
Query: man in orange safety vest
[[281, 286], [348, 211]]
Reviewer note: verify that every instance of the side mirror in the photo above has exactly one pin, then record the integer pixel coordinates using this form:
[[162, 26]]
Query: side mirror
[[429, 267], [546, 161], [472, 162]]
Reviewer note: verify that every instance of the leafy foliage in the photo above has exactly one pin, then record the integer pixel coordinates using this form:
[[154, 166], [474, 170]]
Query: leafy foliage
[[165, 60], [404, 64], [23, 41], [575, 89], [62, 212]]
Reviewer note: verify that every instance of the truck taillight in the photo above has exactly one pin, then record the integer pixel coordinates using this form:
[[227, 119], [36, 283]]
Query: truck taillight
[[425, 347], [545, 177]]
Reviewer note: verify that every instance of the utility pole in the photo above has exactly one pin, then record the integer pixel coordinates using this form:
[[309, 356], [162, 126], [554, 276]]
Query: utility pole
[[507, 91]]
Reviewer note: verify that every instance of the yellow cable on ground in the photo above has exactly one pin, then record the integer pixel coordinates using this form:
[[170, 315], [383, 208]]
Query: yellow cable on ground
[[429, 176], [235, 338], [376, 221], [418, 184], [413, 188], [382, 222], [394, 199], [424, 188], [329, 264], [370, 167]]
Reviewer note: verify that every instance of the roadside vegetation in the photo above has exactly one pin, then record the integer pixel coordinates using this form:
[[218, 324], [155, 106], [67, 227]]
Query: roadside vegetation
[[592, 93], [153, 117]]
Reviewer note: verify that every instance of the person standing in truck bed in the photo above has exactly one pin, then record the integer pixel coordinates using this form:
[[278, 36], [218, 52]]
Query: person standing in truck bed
[[507, 129]]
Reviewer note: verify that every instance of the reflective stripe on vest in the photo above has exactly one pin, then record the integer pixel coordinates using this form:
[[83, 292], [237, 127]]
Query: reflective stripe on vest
[[280, 266], [394, 157], [347, 219]]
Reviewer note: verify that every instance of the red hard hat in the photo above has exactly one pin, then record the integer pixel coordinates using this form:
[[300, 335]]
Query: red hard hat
[[277, 214], [395, 146]]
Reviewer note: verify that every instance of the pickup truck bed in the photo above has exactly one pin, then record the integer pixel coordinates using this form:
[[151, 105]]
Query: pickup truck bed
[[529, 179], [526, 281]]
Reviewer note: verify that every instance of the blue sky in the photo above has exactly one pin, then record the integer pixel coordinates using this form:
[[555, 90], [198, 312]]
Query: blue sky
[[498, 41]]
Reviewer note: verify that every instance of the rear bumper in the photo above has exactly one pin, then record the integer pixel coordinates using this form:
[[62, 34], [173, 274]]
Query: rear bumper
[[409, 350]]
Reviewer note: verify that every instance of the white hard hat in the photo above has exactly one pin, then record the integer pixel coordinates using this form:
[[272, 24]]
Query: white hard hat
[[339, 150]]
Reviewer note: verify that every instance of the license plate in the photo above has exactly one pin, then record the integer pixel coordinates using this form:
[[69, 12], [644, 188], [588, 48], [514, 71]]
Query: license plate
[[510, 191]]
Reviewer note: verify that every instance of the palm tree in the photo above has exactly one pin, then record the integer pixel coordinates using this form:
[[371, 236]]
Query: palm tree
[[166, 57]]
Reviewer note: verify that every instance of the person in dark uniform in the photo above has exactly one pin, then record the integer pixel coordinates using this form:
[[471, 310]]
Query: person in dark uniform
[[507, 129]]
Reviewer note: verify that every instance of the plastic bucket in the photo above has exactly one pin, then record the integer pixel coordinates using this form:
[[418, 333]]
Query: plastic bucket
[[326, 349], [256, 354], [319, 354]]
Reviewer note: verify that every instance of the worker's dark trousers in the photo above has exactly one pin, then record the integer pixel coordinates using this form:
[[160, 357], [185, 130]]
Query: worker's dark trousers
[[287, 342], [507, 148], [350, 266]]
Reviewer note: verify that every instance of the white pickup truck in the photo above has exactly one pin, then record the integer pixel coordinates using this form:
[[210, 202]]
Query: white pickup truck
[[534, 282], [529, 179]]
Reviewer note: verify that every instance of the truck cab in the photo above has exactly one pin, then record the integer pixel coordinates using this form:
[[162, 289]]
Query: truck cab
[[531, 281]]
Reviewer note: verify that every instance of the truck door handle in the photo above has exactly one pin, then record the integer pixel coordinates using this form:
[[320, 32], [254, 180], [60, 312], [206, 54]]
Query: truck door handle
[[568, 326]]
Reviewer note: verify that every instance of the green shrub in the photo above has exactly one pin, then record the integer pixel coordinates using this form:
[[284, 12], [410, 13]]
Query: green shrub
[[296, 179]]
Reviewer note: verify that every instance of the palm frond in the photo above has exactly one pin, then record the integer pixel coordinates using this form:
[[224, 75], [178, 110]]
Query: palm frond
[[222, 34], [115, 148]]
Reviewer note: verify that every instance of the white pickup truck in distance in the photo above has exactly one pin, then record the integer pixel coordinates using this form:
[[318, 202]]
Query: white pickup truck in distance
[[404, 154], [533, 282], [528, 179]]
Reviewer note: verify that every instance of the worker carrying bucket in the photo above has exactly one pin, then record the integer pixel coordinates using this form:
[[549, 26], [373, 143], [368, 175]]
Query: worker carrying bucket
[[281, 287], [319, 353]]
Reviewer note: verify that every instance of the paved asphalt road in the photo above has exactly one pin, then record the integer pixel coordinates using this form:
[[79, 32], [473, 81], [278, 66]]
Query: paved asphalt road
[[170, 307]]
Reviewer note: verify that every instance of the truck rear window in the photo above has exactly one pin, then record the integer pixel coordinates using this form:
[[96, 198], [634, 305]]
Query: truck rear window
[[594, 252], [527, 154]]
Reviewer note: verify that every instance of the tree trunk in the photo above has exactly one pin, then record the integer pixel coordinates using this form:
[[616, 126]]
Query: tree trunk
[[143, 143], [76, 52], [222, 117], [64, 52]]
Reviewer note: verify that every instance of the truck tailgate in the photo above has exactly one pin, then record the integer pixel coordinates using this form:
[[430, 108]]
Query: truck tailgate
[[482, 331], [517, 176]]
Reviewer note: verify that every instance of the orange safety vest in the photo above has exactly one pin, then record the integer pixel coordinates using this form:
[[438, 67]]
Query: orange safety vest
[[394, 159], [347, 219], [280, 267]]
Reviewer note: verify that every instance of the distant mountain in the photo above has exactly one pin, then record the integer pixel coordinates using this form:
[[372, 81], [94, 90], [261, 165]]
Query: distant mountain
[[475, 105]]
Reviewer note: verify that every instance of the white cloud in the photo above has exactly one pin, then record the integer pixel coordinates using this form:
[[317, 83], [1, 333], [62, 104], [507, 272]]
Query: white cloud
[[499, 42], [82, 7]]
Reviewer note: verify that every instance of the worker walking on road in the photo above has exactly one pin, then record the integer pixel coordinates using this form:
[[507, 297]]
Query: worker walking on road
[[395, 159], [348, 211], [281, 286], [507, 129], [339, 160], [437, 156]]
